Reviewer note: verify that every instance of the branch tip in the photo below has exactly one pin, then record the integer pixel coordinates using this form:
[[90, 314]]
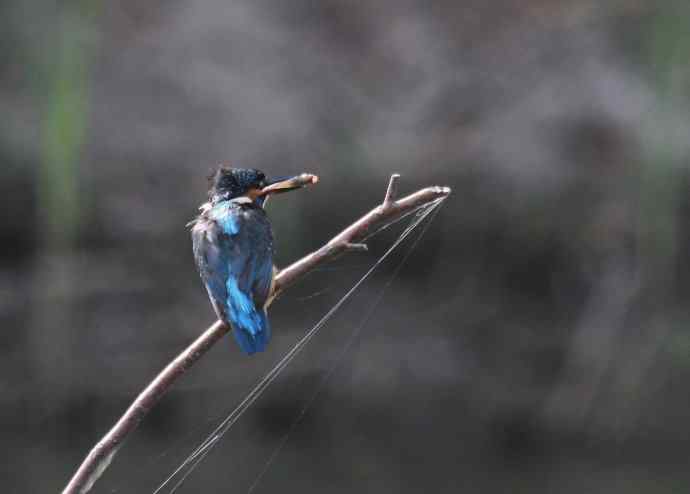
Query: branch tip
[[392, 191]]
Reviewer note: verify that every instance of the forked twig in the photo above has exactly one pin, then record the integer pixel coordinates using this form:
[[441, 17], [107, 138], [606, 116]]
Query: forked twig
[[350, 239]]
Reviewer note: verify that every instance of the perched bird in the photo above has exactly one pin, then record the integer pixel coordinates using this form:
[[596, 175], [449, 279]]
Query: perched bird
[[233, 249]]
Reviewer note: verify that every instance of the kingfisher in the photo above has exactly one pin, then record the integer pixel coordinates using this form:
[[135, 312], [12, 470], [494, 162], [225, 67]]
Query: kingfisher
[[232, 243]]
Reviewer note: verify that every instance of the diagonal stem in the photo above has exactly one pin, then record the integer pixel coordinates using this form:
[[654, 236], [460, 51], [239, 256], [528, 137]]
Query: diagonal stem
[[99, 458]]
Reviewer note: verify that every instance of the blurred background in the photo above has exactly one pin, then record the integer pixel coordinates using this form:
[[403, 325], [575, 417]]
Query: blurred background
[[536, 340]]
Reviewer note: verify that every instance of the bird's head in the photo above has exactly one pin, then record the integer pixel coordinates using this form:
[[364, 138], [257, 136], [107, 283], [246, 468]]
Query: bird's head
[[234, 183]]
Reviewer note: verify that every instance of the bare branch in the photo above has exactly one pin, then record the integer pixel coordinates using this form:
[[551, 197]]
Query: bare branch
[[374, 220], [100, 456], [349, 239]]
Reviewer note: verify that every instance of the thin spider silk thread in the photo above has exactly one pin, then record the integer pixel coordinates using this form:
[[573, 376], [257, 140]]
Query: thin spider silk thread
[[200, 453], [421, 211], [338, 360], [197, 429], [417, 210], [192, 461]]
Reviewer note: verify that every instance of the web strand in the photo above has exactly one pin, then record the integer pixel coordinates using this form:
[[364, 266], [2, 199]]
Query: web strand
[[336, 363], [197, 456]]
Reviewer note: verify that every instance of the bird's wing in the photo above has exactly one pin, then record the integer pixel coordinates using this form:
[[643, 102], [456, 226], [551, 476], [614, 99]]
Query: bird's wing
[[208, 245]]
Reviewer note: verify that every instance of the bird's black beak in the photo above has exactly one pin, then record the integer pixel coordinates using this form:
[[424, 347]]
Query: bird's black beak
[[285, 184]]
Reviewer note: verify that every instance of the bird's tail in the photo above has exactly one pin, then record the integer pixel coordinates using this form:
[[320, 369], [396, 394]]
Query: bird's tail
[[252, 337], [249, 322]]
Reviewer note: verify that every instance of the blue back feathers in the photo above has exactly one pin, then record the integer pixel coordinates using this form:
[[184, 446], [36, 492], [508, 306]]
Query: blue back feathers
[[233, 248]]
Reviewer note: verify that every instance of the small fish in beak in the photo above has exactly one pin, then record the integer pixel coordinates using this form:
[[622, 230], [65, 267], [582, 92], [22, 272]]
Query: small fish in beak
[[286, 184]]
